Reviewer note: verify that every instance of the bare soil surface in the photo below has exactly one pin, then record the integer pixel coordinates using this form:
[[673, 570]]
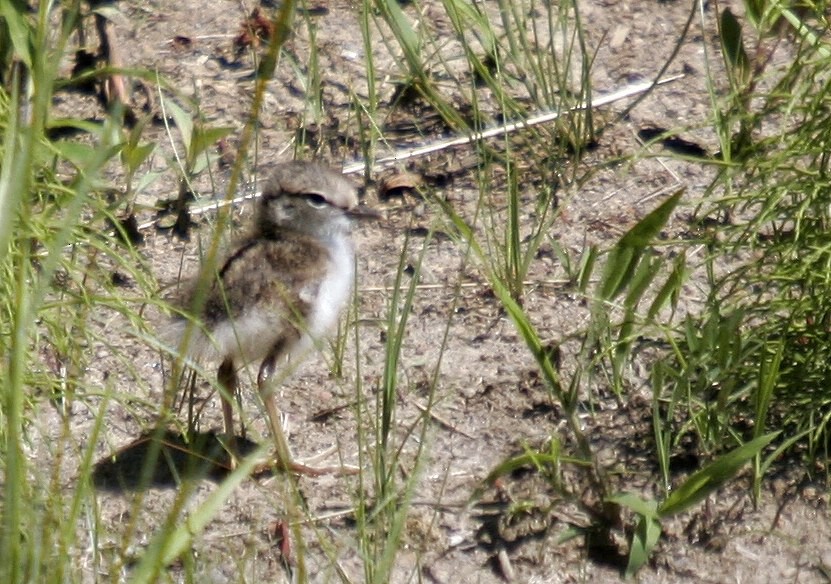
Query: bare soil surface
[[489, 401]]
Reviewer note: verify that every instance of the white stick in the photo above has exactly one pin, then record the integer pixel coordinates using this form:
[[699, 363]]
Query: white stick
[[359, 165]]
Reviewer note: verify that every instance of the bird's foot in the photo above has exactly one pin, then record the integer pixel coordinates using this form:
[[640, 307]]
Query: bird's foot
[[300, 468], [232, 446], [308, 468], [230, 451]]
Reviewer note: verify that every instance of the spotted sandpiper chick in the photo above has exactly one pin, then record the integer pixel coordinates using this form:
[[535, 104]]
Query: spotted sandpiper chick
[[281, 289]]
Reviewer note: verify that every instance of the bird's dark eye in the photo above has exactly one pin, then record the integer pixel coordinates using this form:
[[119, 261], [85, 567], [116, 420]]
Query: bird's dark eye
[[316, 201]]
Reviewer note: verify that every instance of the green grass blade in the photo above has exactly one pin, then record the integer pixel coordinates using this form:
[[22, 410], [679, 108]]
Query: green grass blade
[[643, 507], [12, 552], [703, 482], [626, 255], [671, 290], [167, 545], [644, 538], [738, 63], [14, 172], [769, 372], [646, 533], [14, 16]]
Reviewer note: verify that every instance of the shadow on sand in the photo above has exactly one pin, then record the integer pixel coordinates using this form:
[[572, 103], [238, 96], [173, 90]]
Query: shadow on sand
[[163, 458]]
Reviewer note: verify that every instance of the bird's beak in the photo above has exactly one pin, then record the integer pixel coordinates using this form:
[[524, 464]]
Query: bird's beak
[[363, 213]]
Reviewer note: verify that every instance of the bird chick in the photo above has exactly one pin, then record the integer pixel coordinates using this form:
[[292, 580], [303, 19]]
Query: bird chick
[[280, 290]]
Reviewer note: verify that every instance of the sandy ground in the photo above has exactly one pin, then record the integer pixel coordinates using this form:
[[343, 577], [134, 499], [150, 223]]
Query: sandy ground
[[488, 400]]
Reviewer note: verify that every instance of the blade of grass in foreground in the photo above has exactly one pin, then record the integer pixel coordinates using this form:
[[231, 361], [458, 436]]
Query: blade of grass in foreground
[[694, 490], [167, 545], [703, 482]]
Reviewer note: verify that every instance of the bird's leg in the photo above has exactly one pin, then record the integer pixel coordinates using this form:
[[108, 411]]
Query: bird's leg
[[229, 386], [274, 415], [284, 459]]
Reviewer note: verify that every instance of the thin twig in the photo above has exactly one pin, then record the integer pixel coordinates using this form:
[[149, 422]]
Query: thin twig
[[442, 422], [552, 283], [627, 91]]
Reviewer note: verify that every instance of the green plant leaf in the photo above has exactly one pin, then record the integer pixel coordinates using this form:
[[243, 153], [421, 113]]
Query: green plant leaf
[[146, 180], [643, 507], [672, 287], [755, 10], [646, 533], [644, 538], [404, 32], [14, 15], [587, 263], [735, 56], [703, 482], [82, 155], [135, 153], [626, 255], [183, 121], [648, 228], [642, 278], [133, 157], [12, 170], [533, 458], [93, 128], [167, 545], [769, 373], [204, 138]]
